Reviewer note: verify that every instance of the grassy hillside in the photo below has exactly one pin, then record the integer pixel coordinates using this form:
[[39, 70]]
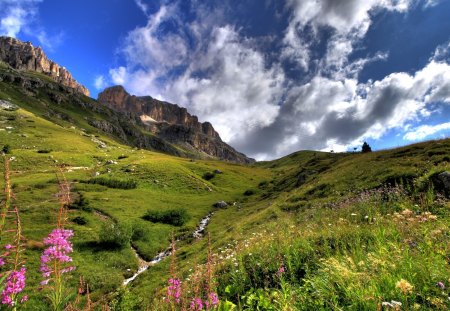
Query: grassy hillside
[[309, 231]]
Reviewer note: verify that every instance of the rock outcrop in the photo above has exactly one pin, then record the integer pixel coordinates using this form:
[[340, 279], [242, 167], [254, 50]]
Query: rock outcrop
[[24, 56], [172, 123]]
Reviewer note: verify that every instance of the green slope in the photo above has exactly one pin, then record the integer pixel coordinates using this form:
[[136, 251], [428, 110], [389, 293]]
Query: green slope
[[305, 212]]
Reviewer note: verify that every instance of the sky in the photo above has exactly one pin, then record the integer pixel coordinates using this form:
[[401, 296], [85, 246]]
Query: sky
[[272, 76]]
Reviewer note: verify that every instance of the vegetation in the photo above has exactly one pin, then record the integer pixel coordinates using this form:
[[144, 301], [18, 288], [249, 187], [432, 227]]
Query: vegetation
[[326, 231], [113, 183], [175, 217], [366, 148]]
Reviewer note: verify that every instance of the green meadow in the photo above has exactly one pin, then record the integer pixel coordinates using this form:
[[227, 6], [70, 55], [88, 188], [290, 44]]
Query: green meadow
[[310, 231]]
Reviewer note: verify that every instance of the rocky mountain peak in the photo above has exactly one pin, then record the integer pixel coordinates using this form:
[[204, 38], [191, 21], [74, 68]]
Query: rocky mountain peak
[[172, 123], [24, 56]]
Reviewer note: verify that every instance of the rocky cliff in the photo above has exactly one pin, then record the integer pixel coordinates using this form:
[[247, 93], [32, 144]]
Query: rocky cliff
[[172, 123], [24, 56]]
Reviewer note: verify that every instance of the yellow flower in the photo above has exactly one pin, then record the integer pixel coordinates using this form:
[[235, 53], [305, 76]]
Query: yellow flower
[[404, 286]]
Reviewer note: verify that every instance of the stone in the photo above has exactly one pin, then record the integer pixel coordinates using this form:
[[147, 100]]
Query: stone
[[6, 105], [171, 123], [441, 183], [23, 56], [220, 204]]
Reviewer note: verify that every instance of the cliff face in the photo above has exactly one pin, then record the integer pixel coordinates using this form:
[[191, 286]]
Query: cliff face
[[24, 56], [172, 123]]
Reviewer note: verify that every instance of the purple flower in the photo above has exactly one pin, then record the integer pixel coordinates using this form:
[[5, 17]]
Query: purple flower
[[15, 283], [8, 246], [213, 298], [59, 246], [2, 261], [440, 285], [196, 304], [281, 271], [174, 290]]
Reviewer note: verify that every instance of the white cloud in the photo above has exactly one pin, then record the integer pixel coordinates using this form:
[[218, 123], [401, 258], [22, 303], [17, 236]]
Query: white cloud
[[100, 83], [224, 79], [208, 66], [425, 131], [21, 16], [349, 20]]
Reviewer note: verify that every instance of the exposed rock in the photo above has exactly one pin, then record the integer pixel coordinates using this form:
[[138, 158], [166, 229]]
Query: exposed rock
[[25, 57], [217, 172], [441, 183], [220, 204], [6, 105], [172, 123]]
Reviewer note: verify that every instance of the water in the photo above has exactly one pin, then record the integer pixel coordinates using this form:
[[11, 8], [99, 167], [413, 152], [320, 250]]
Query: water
[[144, 265]]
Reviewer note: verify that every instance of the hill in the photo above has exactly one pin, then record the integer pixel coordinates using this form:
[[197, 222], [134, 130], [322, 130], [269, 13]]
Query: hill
[[309, 231]]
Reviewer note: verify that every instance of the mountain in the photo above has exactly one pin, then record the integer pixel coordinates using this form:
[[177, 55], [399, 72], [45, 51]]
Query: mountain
[[172, 123], [137, 121], [24, 56]]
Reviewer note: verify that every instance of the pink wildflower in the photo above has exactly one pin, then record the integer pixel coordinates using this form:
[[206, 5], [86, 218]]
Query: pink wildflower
[[8, 246], [2, 261], [174, 290], [213, 298], [196, 304], [59, 248], [15, 283], [281, 271]]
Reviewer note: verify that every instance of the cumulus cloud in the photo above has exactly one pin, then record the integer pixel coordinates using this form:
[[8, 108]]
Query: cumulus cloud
[[425, 131], [207, 65], [21, 16], [349, 21], [222, 79], [15, 15], [100, 82]]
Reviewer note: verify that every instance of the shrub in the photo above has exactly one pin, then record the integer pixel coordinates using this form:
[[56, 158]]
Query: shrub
[[366, 148], [115, 235], [249, 192], [80, 203], [44, 151], [208, 176], [113, 183], [6, 149], [175, 217], [123, 156], [80, 220]]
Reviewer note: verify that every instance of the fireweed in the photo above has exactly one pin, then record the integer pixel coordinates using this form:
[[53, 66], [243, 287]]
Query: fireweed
[[201, 295], [11, 264], [55, 260]]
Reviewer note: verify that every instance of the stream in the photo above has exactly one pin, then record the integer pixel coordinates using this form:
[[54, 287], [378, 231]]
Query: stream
[[144, 265]]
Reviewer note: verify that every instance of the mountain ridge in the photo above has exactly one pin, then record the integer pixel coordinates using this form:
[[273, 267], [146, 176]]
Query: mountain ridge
[[172, 123], [24, 56]]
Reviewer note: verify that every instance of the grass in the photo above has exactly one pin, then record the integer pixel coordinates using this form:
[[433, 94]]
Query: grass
[[343, 238]]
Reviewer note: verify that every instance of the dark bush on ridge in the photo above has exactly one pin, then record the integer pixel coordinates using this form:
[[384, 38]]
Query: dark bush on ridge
[[113, 183], [175, 217]]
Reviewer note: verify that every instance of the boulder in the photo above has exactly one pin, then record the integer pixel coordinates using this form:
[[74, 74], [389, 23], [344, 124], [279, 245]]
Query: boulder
[[441, 183], [220, 204]]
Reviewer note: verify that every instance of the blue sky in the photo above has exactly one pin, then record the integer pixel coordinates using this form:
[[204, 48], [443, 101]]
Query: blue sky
[[272, 76]]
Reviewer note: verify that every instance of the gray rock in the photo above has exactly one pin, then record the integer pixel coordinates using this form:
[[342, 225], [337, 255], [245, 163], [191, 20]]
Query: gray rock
[[441, 183], [6, 105], [220, 204]]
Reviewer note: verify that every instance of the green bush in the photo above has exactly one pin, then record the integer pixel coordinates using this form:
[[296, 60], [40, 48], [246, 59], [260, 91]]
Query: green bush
[[80, 220], [44, 151], [80, 203], [175, 217], [208, 176], [115, 235], [6, 149], [113, 183], [249, 192]]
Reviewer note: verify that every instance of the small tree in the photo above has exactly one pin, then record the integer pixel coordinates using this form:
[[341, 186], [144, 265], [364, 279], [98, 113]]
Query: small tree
[[366, 148]]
